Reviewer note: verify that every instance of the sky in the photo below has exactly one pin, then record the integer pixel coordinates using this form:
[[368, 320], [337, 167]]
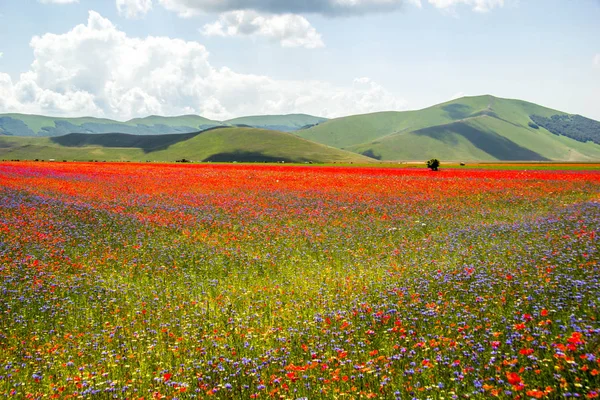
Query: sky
[[221, 59]]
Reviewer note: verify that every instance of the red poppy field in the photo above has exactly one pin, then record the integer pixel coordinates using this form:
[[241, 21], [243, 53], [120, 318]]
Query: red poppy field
[[146, 281]]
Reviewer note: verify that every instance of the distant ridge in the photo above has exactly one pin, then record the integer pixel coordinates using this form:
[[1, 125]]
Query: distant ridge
[[284, 123], [41, 126]]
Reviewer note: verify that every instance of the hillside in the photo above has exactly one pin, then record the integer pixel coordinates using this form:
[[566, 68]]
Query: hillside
[[482, 128], [225, 144], [284, 123], [37, 125], [41, 126]]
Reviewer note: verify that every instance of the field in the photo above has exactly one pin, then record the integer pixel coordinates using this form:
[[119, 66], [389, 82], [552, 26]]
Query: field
[[295, 282]]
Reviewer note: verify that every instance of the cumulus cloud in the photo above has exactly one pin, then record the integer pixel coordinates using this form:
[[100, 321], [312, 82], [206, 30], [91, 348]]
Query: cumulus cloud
[[290, 30], [96, 69], [58, 1], [188, 8], [134, 8], [478, 5], [7, 96]]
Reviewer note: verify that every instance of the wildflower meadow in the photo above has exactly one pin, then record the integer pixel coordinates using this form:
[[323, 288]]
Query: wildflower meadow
[[148, 281]]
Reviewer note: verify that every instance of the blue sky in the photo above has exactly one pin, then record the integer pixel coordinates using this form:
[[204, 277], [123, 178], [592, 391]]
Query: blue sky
[[221, 59]]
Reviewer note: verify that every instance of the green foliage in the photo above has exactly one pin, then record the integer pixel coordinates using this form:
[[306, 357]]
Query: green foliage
[[433, 164], [573, 126]]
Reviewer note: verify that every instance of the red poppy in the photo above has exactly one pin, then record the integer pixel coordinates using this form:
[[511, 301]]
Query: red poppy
[[513, 378]]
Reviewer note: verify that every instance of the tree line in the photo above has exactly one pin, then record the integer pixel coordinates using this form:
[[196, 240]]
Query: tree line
[[574, 126]]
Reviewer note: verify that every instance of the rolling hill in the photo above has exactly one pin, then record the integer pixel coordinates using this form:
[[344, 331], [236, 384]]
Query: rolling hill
[[41, 126], [226, 144], [37, 125], [482, 128]]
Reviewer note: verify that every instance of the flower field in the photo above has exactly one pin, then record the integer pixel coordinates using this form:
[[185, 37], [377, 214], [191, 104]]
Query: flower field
[[236, 282]]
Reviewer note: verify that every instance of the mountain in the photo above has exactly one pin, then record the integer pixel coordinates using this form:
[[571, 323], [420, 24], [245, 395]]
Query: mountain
[[481, 128], [221, 144], [284, 123], [37, 125]]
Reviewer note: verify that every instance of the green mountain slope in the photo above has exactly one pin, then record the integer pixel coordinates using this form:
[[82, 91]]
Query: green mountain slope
[[219, 144], [284, 123], [37, 125], [471, 128]]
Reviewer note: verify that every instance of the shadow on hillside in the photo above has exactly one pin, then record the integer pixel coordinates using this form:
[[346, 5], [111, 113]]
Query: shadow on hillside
[[457, 111], [147, 143], [489, 142], [246, 156], [371, 154], [5, 144]]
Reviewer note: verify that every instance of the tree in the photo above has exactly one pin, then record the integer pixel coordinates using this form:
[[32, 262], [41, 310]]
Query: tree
[[433, 164]]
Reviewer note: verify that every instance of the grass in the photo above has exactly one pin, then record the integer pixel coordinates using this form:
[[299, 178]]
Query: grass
[[362, 129], [193, 122], [477, 139], [480, 165], [227, 144], [558, 166], [482, 128], [245, 281], [151, 125], [37, 122]]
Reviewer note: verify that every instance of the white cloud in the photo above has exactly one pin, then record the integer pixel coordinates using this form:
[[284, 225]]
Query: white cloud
[[290, 30], [96, 69], [478, 5], [597, 60], [58, 1], [7, 97], [188, 8], [133, 8]]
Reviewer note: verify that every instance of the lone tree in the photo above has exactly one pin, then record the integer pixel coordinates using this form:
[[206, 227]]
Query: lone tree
[[433, 164]]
